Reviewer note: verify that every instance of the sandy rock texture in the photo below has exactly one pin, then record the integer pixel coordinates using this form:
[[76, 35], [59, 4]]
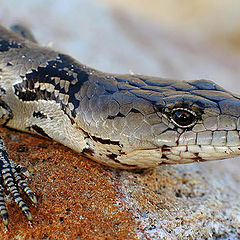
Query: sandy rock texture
[[80, 199]]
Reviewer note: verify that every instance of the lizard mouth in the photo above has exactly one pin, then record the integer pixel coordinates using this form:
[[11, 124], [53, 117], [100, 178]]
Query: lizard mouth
[[193, 153], [149, 158]]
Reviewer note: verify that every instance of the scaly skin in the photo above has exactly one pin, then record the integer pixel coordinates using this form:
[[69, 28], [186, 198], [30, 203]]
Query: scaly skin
[[124, 121]]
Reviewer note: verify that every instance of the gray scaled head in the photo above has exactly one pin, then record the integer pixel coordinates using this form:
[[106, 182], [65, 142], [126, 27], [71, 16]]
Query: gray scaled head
[[154, 120]]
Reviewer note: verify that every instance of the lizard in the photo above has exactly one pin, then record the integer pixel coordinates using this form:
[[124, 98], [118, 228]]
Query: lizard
[[125, 121]]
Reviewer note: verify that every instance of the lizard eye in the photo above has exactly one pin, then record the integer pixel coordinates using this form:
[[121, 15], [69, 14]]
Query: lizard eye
[[183, 117]]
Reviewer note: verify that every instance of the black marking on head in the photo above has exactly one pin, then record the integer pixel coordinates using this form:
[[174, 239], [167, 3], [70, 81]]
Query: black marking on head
[[164, 156], [64, 69], [112, 156], [106, 141], [88, 151], [133, 110], [165, 148], [39, 130], [39, 115], [118, 115]]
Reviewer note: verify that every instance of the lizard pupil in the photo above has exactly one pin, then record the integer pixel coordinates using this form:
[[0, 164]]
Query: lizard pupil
[[183, 118]]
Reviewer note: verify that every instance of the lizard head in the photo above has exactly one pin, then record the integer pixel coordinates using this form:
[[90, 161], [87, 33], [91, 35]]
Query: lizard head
[[144, 122]]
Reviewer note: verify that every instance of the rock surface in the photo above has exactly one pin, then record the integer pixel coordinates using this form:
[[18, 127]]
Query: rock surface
[[80, 199]]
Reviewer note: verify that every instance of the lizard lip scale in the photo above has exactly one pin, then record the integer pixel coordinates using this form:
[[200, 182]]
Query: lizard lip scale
[[126, 121]]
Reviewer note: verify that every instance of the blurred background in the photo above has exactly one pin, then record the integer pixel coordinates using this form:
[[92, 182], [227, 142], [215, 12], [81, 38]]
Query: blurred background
[[176, 39], [217, 21]]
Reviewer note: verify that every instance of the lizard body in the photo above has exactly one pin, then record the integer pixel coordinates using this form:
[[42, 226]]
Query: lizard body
[[125, 121]]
